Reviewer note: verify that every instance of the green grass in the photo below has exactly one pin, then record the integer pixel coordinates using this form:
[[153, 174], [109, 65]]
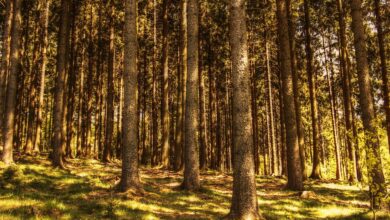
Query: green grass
[[32, 189]]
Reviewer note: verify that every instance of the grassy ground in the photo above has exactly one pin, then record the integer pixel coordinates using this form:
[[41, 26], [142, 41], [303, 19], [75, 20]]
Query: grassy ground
[[34, 190]]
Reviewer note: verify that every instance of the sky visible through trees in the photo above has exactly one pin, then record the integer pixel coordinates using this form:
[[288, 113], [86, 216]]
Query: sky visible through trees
[[262, 109]]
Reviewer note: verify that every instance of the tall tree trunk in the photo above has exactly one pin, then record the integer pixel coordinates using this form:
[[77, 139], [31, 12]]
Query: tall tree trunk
[[332, 98], [183, 71], [110, 94], [154, 89], [62, 54], [316, 171], [9, 122], [191, 150], [5, 62], [165, 88], [348, 112], [295, 179], [385, 80], [130, 172], [244, 200], [374, 162], [44, 22], [300, 130]]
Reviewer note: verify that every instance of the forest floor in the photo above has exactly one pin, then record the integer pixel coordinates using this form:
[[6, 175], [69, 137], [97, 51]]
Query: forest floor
[[34, 190]]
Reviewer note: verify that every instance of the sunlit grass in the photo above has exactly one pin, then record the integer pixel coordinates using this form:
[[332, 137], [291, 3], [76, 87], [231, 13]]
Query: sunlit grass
[[35, 190]]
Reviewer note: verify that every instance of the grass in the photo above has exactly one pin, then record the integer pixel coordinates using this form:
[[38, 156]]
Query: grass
[[32, 189]]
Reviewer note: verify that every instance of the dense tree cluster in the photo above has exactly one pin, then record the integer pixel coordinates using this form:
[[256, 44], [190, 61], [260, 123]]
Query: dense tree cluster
[[272, 87]]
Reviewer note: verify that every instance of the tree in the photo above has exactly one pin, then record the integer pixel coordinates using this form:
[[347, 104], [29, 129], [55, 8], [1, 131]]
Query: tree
[[8, 135], [130, 173], [5, 61], [62, 59], [44, 36], [191, 148], [382, 54], [110, 93], [244, 200], [316, 172], [295, 180], [374, 163], [165, 88]]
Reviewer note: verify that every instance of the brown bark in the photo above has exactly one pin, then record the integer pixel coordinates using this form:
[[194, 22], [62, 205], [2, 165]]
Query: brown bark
[[130, 172], [44, 23], [345, 67], [374, 163], [165, 88], [110, 94], [191, 149], [244, 199], [316, 171], [5, 62], [295, 180], [59, 136], [9, 122], [154, 89], [183, 71], [382, 55]]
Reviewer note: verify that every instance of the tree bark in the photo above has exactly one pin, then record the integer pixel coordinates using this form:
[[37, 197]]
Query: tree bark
[[316, 171], [295, 179], [376, 178], [44, 22], [244, 199], [5, 62], [63, 37], [165, 88], [191, 150], [110, 93], [130, 172], [385, 80], [9, 122]]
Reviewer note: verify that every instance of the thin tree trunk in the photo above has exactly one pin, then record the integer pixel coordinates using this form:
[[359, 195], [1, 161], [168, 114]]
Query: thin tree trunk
[[154, 89], [374, 162], [44, 22], [59, 136], [165, 88], [316, 171], [110, 94], [295, 179], [385, 80]]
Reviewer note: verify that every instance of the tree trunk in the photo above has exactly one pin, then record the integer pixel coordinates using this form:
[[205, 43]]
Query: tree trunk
[[332, 98], [244, 200], [154, 89], [316, 171], [110, 94], [165, 88], [347, 93], [374, 162], [5, 62], [9, 116], [130, 172], [44, 22], [183, 71], [295, 180], [191, 150], [300, 130], [385, 80], [62, 54]]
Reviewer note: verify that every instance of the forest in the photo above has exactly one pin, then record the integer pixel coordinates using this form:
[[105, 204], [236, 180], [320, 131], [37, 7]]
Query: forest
[[194, 109]]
